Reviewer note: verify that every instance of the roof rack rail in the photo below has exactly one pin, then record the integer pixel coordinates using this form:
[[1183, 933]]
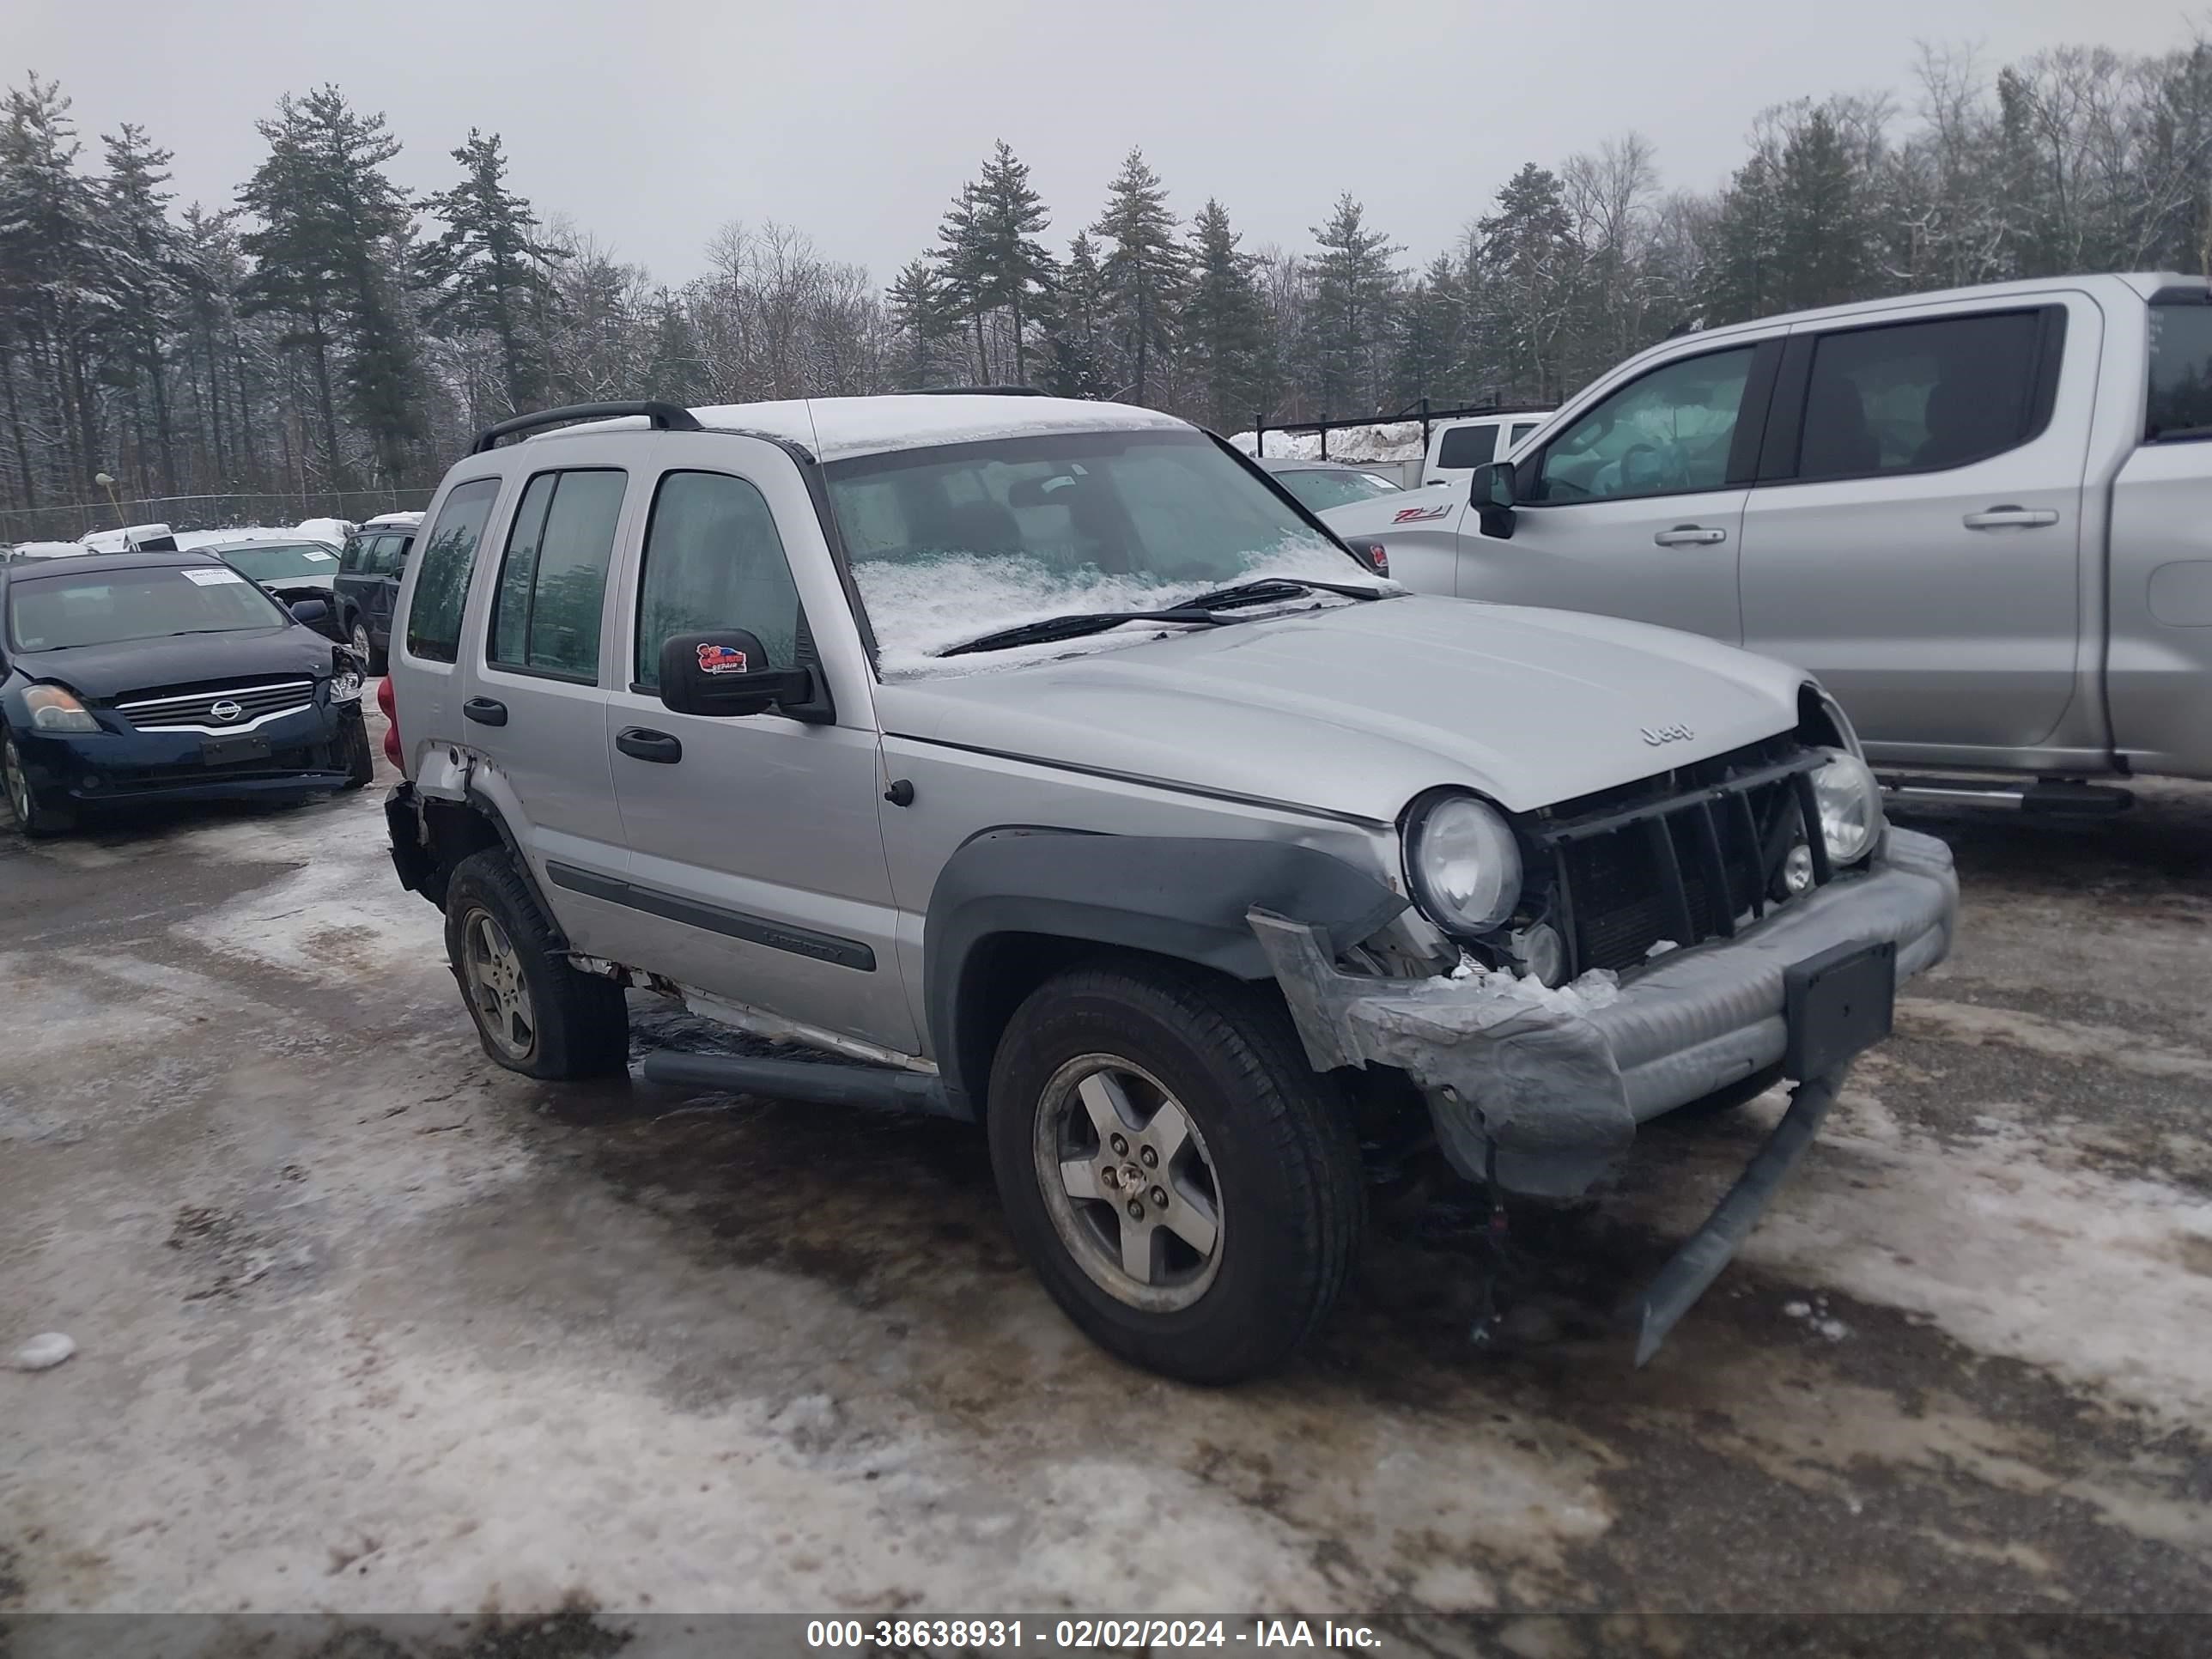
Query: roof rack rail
[[981, 391], [666, 417]]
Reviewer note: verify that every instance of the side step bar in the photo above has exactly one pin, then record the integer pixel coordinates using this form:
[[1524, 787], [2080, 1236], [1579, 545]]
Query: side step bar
[[2056, 796], [824, 1083]]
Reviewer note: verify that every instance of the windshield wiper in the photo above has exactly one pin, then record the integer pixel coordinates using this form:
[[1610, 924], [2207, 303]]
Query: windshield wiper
[[1077, 624], [1263, 588]]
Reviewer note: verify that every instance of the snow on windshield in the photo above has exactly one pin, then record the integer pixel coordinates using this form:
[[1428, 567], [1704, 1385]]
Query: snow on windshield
[[919, 608]]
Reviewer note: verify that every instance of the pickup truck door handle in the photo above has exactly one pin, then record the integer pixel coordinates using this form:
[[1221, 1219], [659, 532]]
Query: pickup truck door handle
[[1690, 535], [643, 743], [485, 711], [2011, 518]]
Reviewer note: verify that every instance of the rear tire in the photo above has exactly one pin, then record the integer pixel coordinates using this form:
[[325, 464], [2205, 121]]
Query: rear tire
[[533, 1012], [36, 815], [1186, 1098], [372, 660]]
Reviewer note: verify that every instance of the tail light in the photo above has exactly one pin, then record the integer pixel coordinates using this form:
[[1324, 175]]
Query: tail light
[[1372, 554], [392, 750]]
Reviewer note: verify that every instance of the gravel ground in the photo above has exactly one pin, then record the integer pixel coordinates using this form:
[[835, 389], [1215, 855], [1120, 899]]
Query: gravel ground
[[365, 1324]]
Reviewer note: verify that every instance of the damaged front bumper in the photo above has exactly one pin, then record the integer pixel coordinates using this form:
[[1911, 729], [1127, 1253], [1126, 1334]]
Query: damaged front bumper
[[1541, 1094], [1546, 1099]]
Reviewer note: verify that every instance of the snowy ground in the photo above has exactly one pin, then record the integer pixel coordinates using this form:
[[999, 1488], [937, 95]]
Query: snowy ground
[[365, 1324]]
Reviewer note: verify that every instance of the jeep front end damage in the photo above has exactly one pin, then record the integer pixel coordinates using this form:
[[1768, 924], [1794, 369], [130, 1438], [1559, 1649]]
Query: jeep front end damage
[[1540, 1094]]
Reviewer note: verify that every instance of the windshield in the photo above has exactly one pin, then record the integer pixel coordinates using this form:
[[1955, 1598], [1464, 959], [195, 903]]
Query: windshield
[[1321, 489], [952, 543], [273, 561], [51, 613]]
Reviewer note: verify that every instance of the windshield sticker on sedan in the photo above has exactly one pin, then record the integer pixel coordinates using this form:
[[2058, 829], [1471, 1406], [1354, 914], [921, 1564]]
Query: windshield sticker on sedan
[[212, 578], [320, 558], [721, 660], [1413, 515]]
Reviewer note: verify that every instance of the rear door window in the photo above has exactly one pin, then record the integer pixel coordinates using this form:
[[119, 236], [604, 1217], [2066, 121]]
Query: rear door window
[[1920, 397], [441, 585], [1468, 445], [2180, 407], [546, 610]]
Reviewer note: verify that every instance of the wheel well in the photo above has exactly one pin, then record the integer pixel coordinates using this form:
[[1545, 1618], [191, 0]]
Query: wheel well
[[1002, 971]]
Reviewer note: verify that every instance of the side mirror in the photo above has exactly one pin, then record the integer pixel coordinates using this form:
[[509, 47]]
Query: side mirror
[[726, 674], [310, 611], [1492, 501]]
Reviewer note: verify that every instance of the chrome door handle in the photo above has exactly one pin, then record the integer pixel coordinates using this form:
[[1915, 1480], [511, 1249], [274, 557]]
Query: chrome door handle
[[2011, 518], [1690, 535]]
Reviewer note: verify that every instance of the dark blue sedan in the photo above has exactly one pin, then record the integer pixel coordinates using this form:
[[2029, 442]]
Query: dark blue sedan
[[136, 677]]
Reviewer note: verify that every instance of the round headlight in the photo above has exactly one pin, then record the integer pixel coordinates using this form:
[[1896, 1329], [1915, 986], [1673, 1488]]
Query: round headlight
[[1464, 865], [1850, 806]]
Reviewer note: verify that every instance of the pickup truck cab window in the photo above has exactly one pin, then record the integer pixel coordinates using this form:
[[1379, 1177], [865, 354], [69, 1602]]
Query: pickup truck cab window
[[546, 608], [712, 560], [2179, 405], [1468, 445], [1920, 396], [1668, 433]]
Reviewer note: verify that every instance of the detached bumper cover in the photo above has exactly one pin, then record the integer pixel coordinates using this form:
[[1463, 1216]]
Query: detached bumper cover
[[1548, 1098]]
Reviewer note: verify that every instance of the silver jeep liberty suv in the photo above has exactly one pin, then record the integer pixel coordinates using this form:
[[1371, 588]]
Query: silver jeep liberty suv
[[1048, 767]]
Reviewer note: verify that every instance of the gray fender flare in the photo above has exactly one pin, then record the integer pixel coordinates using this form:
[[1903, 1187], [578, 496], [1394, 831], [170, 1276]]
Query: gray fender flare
[[1185, 897]]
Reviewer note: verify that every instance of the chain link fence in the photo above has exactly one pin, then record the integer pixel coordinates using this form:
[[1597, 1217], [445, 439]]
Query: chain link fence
[[279, 509]]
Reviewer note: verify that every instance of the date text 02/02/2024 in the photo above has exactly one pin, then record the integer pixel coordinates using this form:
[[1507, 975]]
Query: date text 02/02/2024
[[971, 1635]]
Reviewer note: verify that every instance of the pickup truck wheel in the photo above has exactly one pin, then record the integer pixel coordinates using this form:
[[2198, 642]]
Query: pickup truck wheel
[[533, 1012], [1187, 1186], [34, 816]]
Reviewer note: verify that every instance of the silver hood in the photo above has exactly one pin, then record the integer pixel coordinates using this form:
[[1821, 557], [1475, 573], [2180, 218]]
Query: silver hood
[[1355, 709]]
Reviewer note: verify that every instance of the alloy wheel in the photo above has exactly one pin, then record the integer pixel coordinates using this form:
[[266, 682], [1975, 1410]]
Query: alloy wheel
[[1129, 1183], [497, 986]]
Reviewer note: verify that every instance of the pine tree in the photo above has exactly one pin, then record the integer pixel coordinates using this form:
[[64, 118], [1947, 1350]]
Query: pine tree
[[1075, 364], [926, 317], [1012, 267], [1223, 321], [1354, 280], [1526, 254], [490, 268], [1427, 360], [1821, 231], [147, 270], [1145, 273], [962, 270], [326, 209]]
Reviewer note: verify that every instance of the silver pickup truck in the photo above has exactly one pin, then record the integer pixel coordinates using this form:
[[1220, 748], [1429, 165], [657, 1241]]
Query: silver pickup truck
[[1051, 768], [1982, 519]]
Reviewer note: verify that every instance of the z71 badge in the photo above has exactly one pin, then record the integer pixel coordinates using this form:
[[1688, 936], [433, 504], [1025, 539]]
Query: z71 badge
[[1415, 515]]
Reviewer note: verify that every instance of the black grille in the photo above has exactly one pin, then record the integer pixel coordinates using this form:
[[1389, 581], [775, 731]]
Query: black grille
[[1681, 857], [168, 709]]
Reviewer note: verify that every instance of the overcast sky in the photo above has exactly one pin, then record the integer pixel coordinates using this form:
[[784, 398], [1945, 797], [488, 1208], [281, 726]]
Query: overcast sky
[[651, 123]]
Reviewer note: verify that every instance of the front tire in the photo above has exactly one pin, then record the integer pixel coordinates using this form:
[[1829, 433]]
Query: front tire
[[1186, 1186], [36, 815], [359, 759], [534, 1014]]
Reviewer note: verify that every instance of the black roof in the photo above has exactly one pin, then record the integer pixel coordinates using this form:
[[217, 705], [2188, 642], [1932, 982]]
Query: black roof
[[94, 563]]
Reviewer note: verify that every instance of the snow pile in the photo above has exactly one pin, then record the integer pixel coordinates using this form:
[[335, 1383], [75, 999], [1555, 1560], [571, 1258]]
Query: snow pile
[[1598, 988], [918, 608], [334, 530], [44, 1352], [1386, 441]]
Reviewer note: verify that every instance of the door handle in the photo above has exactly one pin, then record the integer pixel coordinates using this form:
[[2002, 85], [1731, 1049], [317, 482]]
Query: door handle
[[643, 743], [2011, 518], [485, 711], [1690, 535]]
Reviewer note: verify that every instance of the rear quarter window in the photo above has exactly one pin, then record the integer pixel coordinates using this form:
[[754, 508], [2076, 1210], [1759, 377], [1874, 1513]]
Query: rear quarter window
[[2180, 404], [449, 556], [1468, 445]]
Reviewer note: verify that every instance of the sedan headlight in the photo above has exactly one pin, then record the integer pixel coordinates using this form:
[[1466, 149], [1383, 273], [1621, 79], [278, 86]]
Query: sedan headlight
[[53, 709], [1850, 802], [1463, 865], [345, 683]]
